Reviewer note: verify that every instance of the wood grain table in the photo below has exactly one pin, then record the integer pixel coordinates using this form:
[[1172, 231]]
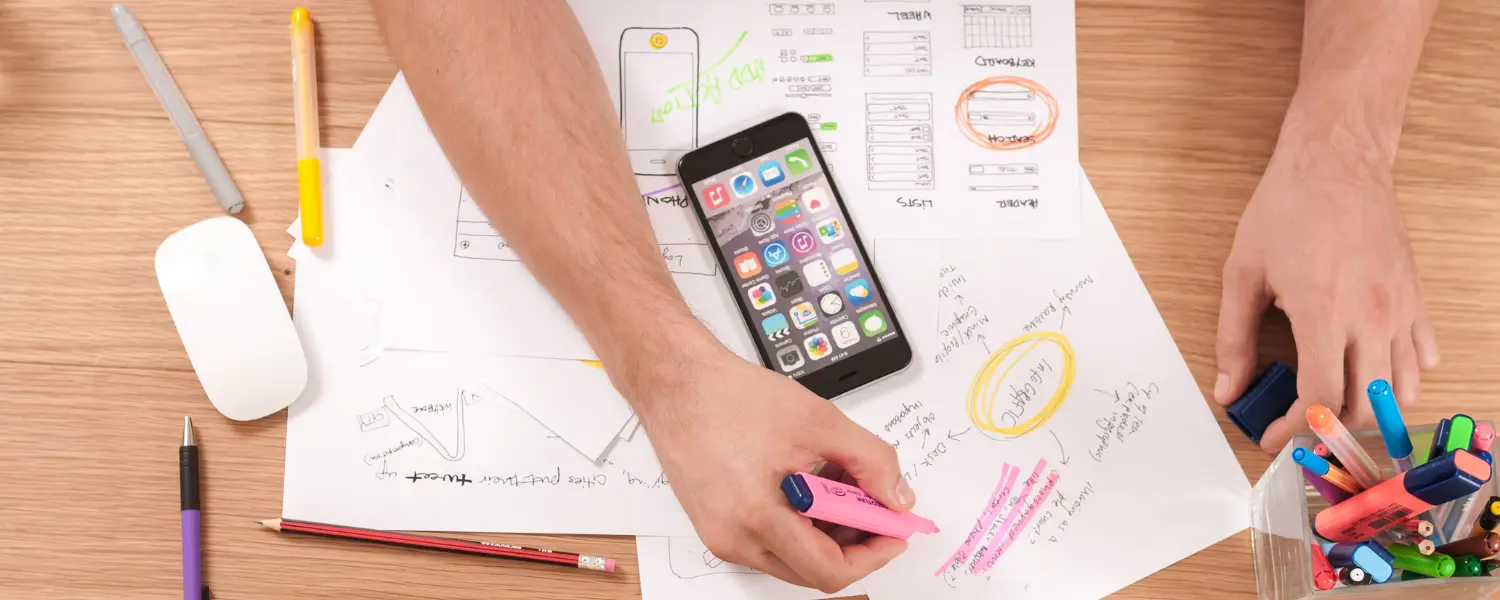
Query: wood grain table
[[1181, 101]]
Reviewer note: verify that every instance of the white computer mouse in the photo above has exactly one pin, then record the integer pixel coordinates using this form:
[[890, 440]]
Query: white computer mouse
[[231, 317]]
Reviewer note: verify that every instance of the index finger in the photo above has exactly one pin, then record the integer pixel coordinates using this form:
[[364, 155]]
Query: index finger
[[818, 559], [1320, 380]]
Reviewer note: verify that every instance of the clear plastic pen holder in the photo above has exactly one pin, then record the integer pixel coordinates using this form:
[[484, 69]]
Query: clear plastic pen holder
[[1282, 507]]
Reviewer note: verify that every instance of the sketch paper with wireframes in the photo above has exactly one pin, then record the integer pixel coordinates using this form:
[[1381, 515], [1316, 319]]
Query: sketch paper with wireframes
[[1058, 421], [945, 118]]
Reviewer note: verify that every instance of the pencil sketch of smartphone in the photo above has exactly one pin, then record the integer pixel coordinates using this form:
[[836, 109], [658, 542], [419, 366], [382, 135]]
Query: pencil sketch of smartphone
[[658, 96]]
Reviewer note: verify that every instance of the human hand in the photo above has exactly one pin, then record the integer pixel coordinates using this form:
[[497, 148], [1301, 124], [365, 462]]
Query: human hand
[[1323, 238], [728, 431]]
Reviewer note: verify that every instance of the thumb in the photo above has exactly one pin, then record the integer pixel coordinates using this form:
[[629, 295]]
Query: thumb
[[869, 460], [1244, 302]]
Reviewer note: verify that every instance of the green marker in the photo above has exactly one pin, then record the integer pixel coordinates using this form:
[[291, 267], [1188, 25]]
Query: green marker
[[1460, 433], [1467, 566], [1409, 559]]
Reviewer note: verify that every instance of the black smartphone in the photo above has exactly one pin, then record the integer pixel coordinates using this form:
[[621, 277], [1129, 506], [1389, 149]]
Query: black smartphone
[[788, 248]]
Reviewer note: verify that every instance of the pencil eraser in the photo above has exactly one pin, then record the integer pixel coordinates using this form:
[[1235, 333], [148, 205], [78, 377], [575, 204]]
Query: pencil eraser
[[609, 565], [1267, 399]]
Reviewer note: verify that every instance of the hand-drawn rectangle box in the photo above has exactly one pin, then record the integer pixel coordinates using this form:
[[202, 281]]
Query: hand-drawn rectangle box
[[898, 53]]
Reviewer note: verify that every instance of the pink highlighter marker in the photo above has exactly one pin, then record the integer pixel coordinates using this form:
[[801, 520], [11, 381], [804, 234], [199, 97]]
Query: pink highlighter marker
[[1438, 481], [843, 504]]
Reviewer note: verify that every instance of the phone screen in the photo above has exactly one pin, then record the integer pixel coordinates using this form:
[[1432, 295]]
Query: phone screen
[[645, 77], [796, 266]]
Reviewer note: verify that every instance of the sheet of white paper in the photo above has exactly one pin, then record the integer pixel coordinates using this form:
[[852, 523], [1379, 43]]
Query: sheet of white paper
[[1056, 397], [941, 118], [451, 283], [380, 439]]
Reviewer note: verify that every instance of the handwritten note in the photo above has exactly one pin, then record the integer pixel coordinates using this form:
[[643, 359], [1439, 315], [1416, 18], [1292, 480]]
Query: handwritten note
[[1073, 399]]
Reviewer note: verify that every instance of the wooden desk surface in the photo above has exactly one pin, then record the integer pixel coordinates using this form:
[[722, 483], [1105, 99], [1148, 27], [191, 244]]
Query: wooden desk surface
[[1180, 106]]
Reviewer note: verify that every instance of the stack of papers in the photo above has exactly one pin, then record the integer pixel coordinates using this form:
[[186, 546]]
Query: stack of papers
[[448, 391]]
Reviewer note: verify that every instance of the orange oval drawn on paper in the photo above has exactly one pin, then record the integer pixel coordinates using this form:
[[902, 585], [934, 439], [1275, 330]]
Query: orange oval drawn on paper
[[982, 113]]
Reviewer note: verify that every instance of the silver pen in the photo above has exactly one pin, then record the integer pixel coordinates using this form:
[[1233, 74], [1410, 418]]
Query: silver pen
[[177, 109]]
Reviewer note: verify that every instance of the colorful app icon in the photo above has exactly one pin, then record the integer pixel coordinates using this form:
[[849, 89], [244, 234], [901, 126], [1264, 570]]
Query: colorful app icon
[[815, 200], [743, 184], [771, 174], [817, 346], [817, 273], [803, 315], [830, 231], [761, 223], [787, 210], [789, 358], [858, 292], [747, 265], [797, 162], [831, 303], [775, 327], [843, 261], [789, 284], [762, 296], [845, 334], [872, 322], [803, 242], [775, 254], [716, 195]]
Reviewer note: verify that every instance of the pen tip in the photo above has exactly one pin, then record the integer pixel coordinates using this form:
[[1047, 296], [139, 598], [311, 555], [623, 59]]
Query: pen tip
[[187, 431]]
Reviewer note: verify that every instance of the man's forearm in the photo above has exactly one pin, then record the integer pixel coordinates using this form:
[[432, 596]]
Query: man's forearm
[[513, 94], [1358, 60]]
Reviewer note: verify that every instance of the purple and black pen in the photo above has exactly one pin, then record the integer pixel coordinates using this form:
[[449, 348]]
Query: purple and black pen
[[192, 534]]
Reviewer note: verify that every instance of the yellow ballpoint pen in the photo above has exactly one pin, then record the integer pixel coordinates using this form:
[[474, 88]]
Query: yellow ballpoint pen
[[305, 97]]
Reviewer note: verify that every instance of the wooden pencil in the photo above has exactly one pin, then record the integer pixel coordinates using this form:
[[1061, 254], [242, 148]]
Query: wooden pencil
[[507, 551]]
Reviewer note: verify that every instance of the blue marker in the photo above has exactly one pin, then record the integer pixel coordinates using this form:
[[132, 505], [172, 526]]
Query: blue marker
[[1439, 440], [1376, 561], [1319, 466], [1392, 427]]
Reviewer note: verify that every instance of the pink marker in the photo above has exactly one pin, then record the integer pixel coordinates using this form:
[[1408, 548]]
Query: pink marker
[[843, 504], [1484, 437]]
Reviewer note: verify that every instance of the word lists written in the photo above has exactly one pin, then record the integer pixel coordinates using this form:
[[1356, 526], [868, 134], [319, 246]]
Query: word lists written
[[1125, 417], [991, 536], [1053, 522], [553, 478], [964, 322], [919, 438], [1060, 307]]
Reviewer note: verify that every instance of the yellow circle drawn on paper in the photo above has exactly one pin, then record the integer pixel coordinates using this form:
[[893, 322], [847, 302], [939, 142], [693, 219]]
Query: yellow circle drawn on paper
[[658, 41], [986, 387]]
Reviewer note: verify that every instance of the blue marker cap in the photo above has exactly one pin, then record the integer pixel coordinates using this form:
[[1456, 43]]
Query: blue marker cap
[[1486, 456], [1440, 480], [1439, 439], [1312, 462], [1388, 415], [1367, 555], [1267, 399], [797, 493]]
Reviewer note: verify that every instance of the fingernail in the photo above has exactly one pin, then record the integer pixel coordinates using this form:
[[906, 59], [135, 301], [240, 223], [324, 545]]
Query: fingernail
[[1221, 387], [903, 492]]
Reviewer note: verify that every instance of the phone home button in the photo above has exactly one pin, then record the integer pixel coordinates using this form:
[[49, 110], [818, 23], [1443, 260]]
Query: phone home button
[[742, 146]]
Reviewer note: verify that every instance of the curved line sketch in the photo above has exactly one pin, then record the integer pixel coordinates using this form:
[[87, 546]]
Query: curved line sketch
[[987, 385], [418, 428], [698, 558], [995, 105]]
